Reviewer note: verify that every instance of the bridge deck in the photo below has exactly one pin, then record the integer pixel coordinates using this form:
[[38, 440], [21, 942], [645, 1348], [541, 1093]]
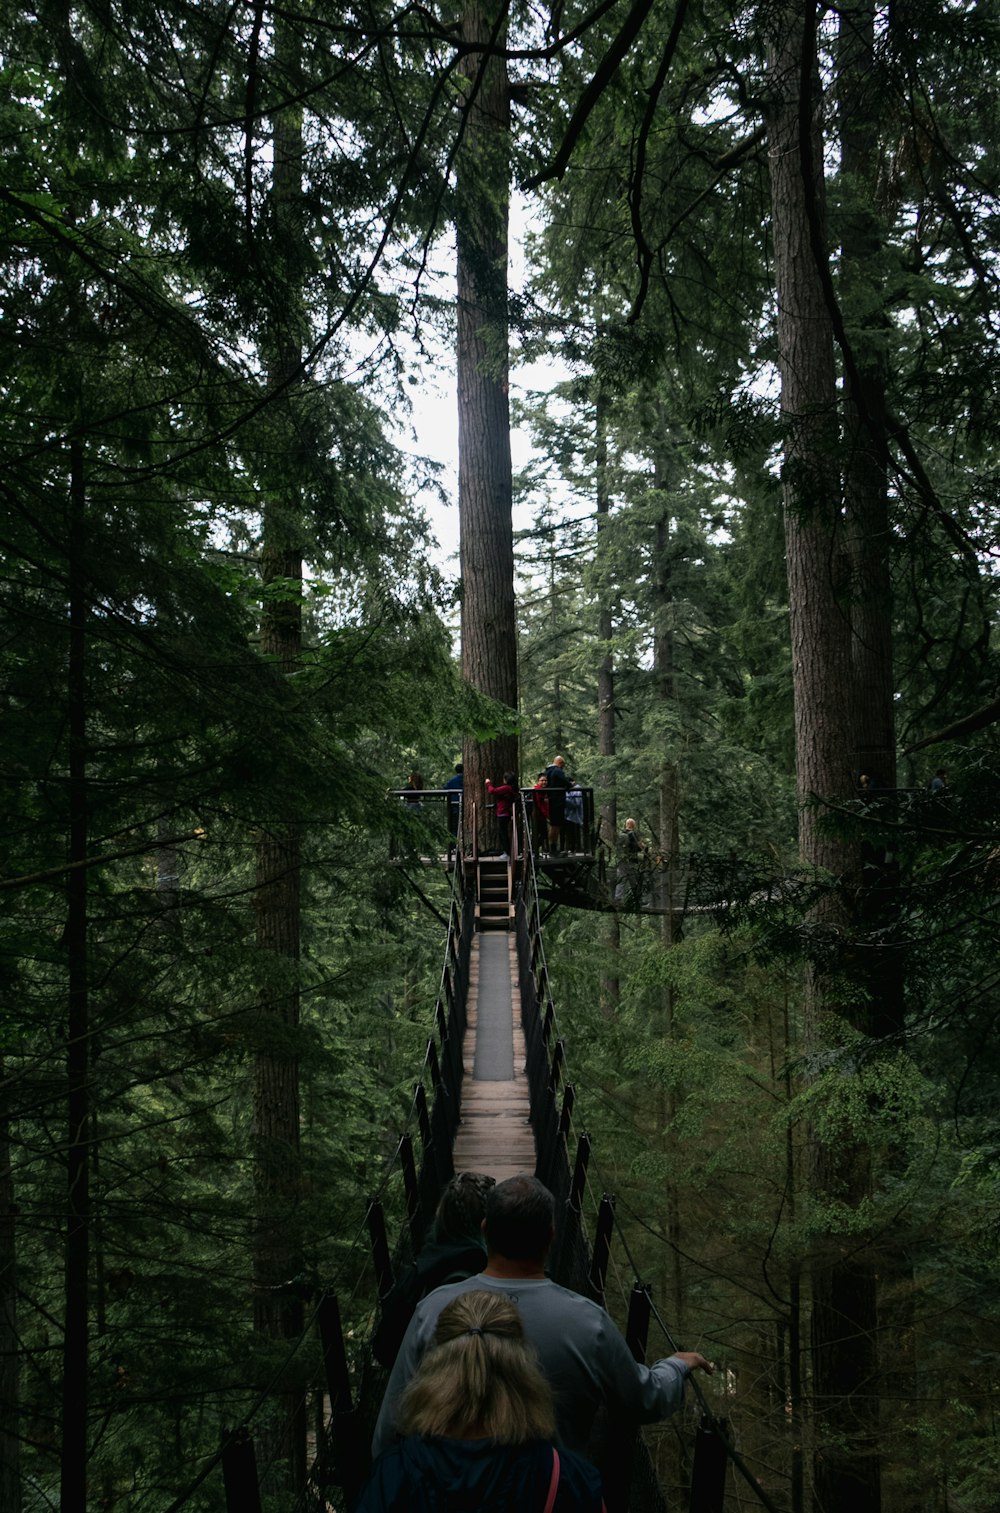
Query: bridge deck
[[495, 1135]]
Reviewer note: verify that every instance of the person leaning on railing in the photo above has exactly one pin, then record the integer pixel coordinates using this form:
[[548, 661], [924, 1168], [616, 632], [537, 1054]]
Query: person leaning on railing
[[582, 1354]]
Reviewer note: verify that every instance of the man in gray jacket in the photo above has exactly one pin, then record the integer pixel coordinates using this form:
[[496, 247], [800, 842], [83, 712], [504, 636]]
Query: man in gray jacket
[[581, 1353]]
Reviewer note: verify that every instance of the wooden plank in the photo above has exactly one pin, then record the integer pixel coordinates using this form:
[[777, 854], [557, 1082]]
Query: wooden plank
[[494, 1135]]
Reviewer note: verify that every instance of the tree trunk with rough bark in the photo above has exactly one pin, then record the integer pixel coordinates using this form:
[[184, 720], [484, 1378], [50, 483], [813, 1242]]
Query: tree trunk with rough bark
[[843, 1324], [489, 629], [10, 1356], [864, 441], [668, 838], [606, 727], [76, 1339], [881, 957], [277, 1249]]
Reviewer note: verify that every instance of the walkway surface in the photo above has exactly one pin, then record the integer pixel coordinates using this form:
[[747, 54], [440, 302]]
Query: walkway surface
[[495, 1134]]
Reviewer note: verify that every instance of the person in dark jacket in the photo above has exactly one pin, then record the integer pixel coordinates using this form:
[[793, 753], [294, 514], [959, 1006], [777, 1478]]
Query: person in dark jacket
[[455, 785], [557, 783], [479, 1427], [456, 1249]]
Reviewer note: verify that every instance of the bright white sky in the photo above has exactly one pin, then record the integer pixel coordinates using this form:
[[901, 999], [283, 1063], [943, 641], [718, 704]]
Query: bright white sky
[[434, 421]]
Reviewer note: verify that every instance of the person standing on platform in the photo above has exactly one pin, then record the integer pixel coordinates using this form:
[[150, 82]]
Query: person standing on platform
[[573, 822], [414, 787], [455, 785], [540, 812], [557, 784], [503, 795], [634, 857]]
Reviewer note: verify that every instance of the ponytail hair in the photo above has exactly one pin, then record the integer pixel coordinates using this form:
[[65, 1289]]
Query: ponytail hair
[[479, 1379]]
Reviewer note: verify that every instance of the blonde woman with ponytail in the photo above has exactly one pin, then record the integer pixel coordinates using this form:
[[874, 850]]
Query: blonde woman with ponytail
[[479, 1426]]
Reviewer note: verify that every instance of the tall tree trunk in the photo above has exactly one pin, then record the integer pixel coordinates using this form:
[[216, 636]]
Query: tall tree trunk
[[881, 956], [668, 811], [556, 708], [866, 499], [845, 1465], [278, 1313], [606, 731], [10, 1358], [76, 1343], [785, 1052], [489, 629], [864, 442]]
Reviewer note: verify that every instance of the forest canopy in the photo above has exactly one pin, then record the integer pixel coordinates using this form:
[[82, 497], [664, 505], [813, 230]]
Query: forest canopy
[[755, 607]]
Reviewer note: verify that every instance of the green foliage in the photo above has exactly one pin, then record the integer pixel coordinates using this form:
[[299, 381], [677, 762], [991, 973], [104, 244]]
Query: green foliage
[[149, 286], [158, 287]]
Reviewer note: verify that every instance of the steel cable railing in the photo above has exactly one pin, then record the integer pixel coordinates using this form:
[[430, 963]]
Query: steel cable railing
[[580, 1258], [578, 1263], [433, 1117]]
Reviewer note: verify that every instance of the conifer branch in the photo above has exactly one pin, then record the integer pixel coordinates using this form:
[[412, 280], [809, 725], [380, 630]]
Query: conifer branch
[[598, 83]]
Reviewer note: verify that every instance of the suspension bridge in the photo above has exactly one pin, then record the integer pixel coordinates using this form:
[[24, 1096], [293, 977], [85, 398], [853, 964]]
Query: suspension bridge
[[494, 1094]]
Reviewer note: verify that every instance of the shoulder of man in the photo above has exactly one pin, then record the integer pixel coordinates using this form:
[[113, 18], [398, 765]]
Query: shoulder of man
[[432, 1303]]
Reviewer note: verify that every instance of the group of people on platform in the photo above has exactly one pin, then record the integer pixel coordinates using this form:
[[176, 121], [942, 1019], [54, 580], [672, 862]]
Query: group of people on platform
[[500, 1372], [556, 813], [556, 816], [871, 787], [556, 806]]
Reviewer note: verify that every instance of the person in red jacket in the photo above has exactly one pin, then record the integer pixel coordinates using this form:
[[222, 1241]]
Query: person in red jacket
[[503, 794]]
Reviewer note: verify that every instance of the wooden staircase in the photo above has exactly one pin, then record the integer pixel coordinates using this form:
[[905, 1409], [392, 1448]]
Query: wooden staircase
[[494, 905]]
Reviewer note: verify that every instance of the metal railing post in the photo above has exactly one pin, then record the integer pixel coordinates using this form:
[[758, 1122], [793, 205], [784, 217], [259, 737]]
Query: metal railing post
[[579, 1173], [348, 1443], [637, 1325], [239, 1472], [338, 1375], [708, 1474], [423, 1117], [558, 1057], [602, 1246], [411, 1189], [380, 1246]]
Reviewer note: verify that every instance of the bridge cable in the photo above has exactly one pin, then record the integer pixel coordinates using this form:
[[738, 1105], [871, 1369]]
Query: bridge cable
[[713, 1423]]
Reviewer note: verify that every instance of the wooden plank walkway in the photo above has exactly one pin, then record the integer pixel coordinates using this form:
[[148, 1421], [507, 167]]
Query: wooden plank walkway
[[495, 1134]]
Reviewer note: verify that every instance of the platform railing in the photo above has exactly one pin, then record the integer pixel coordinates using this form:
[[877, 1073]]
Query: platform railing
[[345, 1397]]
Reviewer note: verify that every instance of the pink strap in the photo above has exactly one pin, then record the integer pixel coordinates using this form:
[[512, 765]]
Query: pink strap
[[550, 1501]]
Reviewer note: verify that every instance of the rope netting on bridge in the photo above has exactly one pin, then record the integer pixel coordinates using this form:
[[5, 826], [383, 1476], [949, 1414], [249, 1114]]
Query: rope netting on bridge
[[330, 1376]]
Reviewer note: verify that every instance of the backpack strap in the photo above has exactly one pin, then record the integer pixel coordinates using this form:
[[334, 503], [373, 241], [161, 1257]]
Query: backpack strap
[[550, 1501]]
